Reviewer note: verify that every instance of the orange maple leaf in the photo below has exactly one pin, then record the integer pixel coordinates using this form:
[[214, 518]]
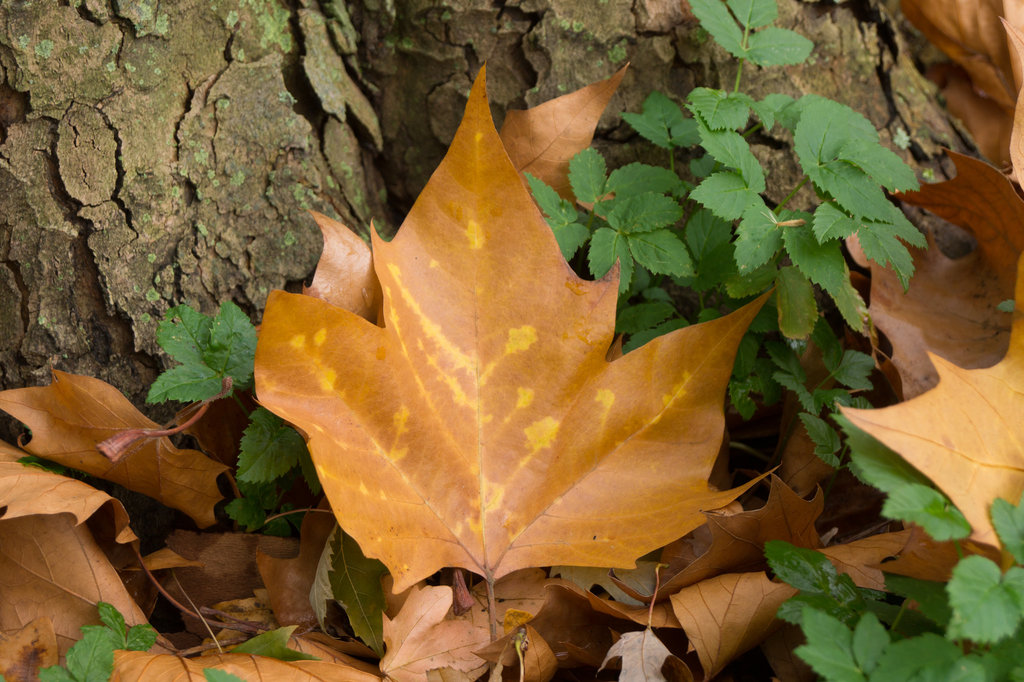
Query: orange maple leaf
[[483, 426], [967, 433]]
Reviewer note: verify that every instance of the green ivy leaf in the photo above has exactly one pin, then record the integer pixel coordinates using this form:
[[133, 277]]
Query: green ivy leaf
[[661, 252], [269, 448], [719, 110], [797, 308], [588, 175], [274, 644], [774, 46], [662, 123], [1008, 521], [727, 195], [987, 604]]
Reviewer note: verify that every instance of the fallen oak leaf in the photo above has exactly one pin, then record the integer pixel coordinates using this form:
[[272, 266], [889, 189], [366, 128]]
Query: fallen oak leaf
[[966, 433], [72, 415], [483, 427]]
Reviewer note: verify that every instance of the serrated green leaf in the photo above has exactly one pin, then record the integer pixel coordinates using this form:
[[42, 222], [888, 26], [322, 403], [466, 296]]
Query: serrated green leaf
[[232, 347], [186, 384], [831, 223], [641, 316], [587, 175], [607, 246], [55, 674], [825, 439], [661, 252], [356, 583], [927, 657], [274, 644], [751, 282], [570, 238], [719, 110], [797, 308], [643, 212], [758, 237], [709, 239], [767, 108], [824, 127], [1008, 521], [884, 166], [853, 370], [803, 396], [829, 648], [929, 595], [987, 605], [269, 448], [662, 122], [635, 178], [726, 194], [559, 211], [184, 340], [91, 659], [701, 167], [880, 243], [640, 338], [852, 189], [731, 150], [804, 569], [754, 13], [875, 463], [870, 639], [715, 18], [113, 619], [775, 46], [827, 342], [823, 264], [214, 675], [140, 637], [928, 508]]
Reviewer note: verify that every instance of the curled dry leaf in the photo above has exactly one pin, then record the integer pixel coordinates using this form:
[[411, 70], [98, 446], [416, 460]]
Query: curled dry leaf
[[483, 427], [139, 666], [543, 139], [51, 565], [344, 274], [965, 433], [73, 414]]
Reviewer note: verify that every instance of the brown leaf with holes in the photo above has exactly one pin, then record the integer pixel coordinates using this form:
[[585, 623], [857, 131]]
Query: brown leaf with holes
[[73, 414], [542, 139]]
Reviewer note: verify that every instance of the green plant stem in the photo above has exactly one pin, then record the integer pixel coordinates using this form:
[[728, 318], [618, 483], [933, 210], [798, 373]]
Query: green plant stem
[[739, 67], [791, 194], [752, 129], [743, 447]]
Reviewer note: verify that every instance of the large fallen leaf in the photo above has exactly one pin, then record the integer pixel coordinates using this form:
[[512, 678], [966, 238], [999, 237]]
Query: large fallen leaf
[[967, 433], [73, 414], [139, 666], [51, 564], [542, 139], [23, 652], [483, 426]]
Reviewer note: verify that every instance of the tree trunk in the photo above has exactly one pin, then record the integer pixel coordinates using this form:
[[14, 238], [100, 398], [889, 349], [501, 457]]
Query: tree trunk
[[154, 153]]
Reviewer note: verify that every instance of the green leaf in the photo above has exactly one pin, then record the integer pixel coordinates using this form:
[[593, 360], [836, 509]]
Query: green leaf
[[731, 150], [232, 348], [767, 109], [754, 13], [709, 239], [870, 639], [885, 167], [930, 596], [607, 246], [559, 211], [875, 463], [184, 340], [852, 189], [570, 238], [714, 18], [246, 511], [636, 178], [587, 175], [825, 439], [758, 237], [751, 282], [140, 637], [1009, 524], [853, 370], [798, 310], [91, 659], [881, 243], [661, 252], [824, 127], [804, 569], [829, 648], [641, 316], [640, 338], [823, 264], [185, 383], [269, 448], [356, 583], [928, 508], [727, 195], [643, 212], [113, 619], [831, 223], [778, 47], [928, 657], [214, 675], [57, 674], [719, 110], [274, 644], [662, 123], [986, 604]]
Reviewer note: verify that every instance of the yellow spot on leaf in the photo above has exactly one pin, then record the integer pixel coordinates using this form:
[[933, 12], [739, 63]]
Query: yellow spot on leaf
[[678, 391], [398, 454], [327, 379], [297, 341], [520, 339], [605, 397], [475, 234], [363, 489], [320, 337], [525, 397], [541, 433], [401, 418], [515, 618]]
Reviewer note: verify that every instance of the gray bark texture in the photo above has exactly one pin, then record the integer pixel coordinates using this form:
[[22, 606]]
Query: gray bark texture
[[155, 153]]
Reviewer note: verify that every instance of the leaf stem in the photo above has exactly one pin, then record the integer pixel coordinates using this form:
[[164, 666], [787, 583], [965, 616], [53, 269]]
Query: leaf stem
[[789, 196], [492, 606]]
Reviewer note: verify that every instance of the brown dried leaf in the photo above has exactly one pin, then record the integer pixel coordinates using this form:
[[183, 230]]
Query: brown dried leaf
[[23, 652], [73, 414], [643, 656], [542, 139], [344, 275], [139, 666], [729, 614]]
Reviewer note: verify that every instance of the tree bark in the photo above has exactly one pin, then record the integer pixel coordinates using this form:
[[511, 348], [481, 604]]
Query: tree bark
[[154, 153]]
